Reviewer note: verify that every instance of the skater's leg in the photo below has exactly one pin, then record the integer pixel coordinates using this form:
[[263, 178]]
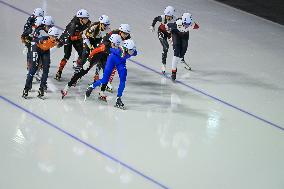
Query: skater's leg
[[63, 62], [77, 76], [74, 80], [78, 46], [105, 79], [45, 67], [101, 65], [77, 64], [177, 54], [33, 68], [122, 72], [67, 54], [29, 56], [184, 46], [85, 54], [107, 72], [164, 42]]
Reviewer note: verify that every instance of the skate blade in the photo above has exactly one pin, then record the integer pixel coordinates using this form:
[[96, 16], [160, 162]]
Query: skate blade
[[120, 107], [25, 97], [63, 94], [41, 97], [57, 79], [187, 68]]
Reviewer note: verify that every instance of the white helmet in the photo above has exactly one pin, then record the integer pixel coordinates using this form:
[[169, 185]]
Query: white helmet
[[124, 28], [129, 44], [187, 14], [179, 22], [116, 39], [53, 32], [104, 20], [82, 13], [38, 20], [169, 11], [38, 12], [48, 21], [186, 19]]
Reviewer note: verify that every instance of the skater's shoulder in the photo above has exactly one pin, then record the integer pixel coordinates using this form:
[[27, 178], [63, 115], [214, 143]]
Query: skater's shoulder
[[116, 51], [94, 25], [31, 18], [115, 31], [159, 18]]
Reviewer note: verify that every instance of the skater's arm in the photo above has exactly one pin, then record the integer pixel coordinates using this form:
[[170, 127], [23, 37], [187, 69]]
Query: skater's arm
[[156, 19], [90, 32], [133, 53], [27, 32], [45, 43], [66, 35], [171, 27], [29, 22], [107, 36], [97, 50], [195, 26], [71, 29]]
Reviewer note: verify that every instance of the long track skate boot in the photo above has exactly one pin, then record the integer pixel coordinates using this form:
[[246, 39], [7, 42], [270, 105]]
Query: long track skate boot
[[174, 75], [88, 92], [25, 93], [40, 93], [58, 75], [186, 65], [62, 64], [163, 69], [109, 87], [102, 96], [64, 91], [164, 61], [77, 66], [119, 104]]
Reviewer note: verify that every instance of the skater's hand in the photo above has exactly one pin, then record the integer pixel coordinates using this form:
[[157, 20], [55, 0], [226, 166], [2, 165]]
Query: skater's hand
[[86, 65], [152, 29], [91, 48], [25, 40], [60, 43]]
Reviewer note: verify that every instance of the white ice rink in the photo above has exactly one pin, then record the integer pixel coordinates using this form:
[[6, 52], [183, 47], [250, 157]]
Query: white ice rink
[[220, 126]]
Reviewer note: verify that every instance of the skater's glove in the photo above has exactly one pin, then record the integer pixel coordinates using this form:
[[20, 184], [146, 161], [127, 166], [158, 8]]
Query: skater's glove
[[25, 40], [91, 47], [86, 65], [60, 43], [152, 29], [196, 26]]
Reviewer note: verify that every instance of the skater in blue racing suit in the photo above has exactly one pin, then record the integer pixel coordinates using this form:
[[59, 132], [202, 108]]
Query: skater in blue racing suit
[[117, 58]]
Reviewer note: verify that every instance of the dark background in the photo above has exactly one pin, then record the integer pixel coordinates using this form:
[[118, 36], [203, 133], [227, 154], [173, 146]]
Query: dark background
[[269, 9]]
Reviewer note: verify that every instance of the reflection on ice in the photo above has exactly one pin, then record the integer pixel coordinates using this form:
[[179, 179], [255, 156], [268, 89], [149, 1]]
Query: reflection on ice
[[213, 123]]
